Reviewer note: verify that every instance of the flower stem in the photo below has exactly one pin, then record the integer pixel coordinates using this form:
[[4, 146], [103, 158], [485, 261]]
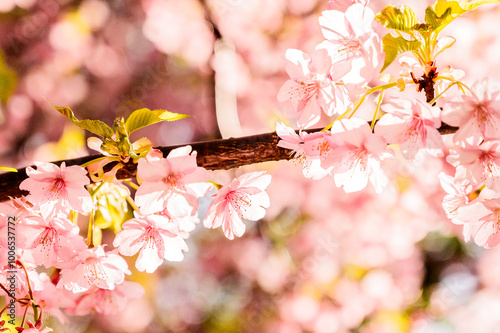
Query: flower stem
[[375, 114], [90, 232]]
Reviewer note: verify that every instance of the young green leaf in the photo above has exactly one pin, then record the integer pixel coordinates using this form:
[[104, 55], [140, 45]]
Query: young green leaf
[[145, 117], [441, 13], [394, 46], [94, 126], [461, 6], [401, 18]]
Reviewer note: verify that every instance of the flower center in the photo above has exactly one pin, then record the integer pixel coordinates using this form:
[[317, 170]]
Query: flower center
[[357, 157], [490, 166], [94, 269], [323, 148], [238, 201], [173, 179], [58, 185], [482, 112], [349, 47], [47, 237]]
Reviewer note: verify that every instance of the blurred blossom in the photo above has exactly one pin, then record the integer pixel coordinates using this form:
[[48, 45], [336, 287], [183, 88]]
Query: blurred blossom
[[135, 317], [299, 308], [480, 314], [273, 272], [94, 13], [71, 36], [298, 7], [8, 5], [20, 107], [104, 61], [179, 28]]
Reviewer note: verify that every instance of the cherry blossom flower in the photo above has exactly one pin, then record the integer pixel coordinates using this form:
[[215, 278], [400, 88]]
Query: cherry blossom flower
[[413, 125], [57, 189], [352, 42], [106, 301], [95, 268], [55, 300], [483, 217], [155, 237], [357, 156], [478, 164], [36, 328], [21, 281], [244, 198], [477, 114], [173, 183], [51, 241], [315, 144], [456, 194], [184, 224], [314, 86]]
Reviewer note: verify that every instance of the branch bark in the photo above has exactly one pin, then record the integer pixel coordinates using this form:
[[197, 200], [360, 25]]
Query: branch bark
[[212, 155]]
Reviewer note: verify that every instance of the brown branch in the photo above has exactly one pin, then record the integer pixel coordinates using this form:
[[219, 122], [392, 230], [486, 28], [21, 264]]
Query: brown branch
[[212, 155]]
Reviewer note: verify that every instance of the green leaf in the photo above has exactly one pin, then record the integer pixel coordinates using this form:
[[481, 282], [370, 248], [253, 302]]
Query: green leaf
[[8, 80], [461, 6], [8, 169], [145, 117], [443, 12], [94, 126], [394, 46], [401, 18]]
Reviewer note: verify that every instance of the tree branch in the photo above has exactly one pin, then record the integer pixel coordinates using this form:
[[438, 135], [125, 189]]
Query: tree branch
[[212, 155]]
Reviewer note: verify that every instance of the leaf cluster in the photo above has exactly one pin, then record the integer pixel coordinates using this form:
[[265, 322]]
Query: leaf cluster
[[116, 139], [417, 37]]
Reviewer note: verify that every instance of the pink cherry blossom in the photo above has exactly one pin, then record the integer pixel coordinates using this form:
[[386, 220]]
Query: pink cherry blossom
[[55, 300], [412, 125], [456, 195], [477, 114], [106, 301], [57, 189], [185, 224], [483, 217], [351, 42], [156, 239], [36, 328], [173, 183], [95, 268], [21, 281], [357, 156], [478, 164], [51, 241], [244, 198], [307, 148], [313, 86]]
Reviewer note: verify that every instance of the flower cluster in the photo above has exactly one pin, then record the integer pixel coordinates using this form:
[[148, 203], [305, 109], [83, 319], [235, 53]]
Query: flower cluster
[[475, 154], [352, 151], [166, 203]]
